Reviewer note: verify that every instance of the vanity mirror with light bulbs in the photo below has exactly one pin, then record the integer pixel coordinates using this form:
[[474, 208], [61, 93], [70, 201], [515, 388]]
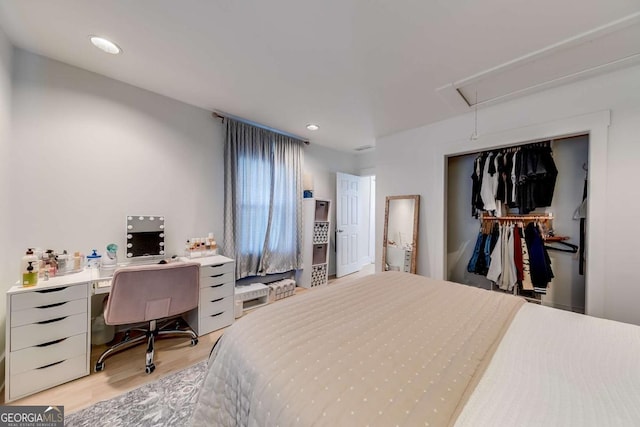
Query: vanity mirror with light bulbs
[[145, 236], [400, 237]]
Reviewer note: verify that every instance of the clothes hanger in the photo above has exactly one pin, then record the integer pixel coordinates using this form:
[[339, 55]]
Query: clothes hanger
[[570, 248]]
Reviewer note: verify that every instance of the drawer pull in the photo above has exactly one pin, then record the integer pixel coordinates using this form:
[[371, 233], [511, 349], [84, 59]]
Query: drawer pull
[[217, 286], [217, 314], [44, 322], [50, 365], [46, 291], [216, 300], [218, 275], [53, 305], [216, 266], [50, 343]]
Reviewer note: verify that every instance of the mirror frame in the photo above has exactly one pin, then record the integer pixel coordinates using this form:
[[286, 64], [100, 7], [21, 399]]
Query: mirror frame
[[416, 213], [145, 224]]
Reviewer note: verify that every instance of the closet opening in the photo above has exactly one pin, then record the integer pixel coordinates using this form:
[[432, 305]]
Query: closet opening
[[558, 214]]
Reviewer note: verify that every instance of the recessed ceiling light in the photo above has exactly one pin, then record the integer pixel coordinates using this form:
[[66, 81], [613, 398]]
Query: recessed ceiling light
[[105, 45], [311, 126]]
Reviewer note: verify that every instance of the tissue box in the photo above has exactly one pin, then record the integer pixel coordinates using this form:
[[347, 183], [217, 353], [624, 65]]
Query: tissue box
[[281, 289]]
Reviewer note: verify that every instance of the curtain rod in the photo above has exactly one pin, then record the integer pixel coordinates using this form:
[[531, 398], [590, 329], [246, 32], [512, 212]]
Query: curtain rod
[[222, 116]]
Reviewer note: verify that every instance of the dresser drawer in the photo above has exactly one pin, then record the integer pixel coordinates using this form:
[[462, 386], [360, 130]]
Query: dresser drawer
[[212, 270], [48, 296], [46, 354], [216, 306], [215, 321], [216, 279], [216, 291], [47, 331], [47, 312], [41, 378]]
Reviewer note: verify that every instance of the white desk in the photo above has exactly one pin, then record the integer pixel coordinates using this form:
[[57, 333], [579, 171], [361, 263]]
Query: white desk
[[48, 326]]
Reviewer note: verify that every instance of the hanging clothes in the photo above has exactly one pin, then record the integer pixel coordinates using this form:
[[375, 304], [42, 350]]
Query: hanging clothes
[[518, 254], [495, 268], [581, 214], [502, 269], [536, 175], [523, 179], [473, 262], [509, 276], [539, 261], [512, 255], [476, 177], [526, 284], [481, 257], [514, 175], [489, 185]]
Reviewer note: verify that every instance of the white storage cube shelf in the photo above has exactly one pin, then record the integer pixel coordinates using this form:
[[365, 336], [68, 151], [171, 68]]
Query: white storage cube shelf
[[315, 252], [319, 254], [320, 232], [321, 210], [318, 275]]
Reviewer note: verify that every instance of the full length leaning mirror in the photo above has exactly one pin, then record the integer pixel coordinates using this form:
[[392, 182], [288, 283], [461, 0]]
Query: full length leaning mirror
[[400, 238]]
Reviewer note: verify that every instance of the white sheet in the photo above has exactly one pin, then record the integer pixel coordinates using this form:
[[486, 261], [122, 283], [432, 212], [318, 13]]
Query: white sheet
[[557, 368]]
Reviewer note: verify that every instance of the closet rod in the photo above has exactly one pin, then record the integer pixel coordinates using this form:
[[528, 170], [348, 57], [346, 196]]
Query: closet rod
[[544, 217], [222, 116]]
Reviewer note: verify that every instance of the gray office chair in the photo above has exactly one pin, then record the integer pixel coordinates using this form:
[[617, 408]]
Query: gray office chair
[[149, 293]]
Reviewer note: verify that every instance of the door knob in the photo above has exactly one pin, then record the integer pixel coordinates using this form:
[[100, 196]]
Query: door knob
[[340, 231]]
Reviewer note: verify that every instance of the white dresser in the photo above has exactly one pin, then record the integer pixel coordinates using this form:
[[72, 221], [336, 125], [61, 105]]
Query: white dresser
[[48, 336], [217, 292], [48, 328]]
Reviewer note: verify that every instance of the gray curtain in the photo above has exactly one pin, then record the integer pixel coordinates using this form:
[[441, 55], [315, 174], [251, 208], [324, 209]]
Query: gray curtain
[[263, 200]]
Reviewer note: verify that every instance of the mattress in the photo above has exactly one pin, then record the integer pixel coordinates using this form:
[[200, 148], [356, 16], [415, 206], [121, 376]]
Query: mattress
[[400, 349]]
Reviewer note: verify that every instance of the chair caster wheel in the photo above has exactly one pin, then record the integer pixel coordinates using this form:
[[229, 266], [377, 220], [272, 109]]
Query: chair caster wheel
[[99, 367], [194, 341], [150, 368]]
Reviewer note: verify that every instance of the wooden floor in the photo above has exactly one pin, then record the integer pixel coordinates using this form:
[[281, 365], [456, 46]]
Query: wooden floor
[[125, 371]]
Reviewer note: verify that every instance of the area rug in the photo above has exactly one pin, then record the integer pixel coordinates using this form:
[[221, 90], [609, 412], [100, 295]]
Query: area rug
[[168, 401]]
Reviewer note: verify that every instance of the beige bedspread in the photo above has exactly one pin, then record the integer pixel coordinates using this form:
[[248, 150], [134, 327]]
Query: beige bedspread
[[389, 349]]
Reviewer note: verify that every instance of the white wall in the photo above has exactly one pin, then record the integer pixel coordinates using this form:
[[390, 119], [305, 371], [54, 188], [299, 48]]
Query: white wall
[[322, 164], [411, 162], [364, 244], [366, 162], [87, 151], [5, 122]]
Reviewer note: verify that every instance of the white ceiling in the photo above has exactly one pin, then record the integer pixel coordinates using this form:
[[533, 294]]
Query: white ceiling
[[361, 69]]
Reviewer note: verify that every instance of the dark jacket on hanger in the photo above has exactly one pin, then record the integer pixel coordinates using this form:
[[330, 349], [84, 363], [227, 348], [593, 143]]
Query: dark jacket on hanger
[[539, 261], [536, 174], [478, 170]]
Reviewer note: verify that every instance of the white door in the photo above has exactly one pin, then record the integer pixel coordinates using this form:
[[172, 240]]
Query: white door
[[347, 224]]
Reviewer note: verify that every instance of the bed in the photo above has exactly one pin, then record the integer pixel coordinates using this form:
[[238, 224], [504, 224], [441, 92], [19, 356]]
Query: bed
[[396, 349]]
